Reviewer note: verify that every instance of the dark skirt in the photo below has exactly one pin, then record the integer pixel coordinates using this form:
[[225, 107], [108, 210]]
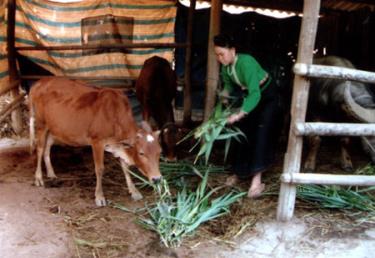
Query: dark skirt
[[262, 127]]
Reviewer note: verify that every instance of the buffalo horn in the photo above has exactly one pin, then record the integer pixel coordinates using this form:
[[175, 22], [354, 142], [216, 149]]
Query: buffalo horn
[[362, 114]]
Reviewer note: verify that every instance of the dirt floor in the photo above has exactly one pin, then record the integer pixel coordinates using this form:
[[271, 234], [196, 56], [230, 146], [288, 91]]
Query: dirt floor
[[61, 219]]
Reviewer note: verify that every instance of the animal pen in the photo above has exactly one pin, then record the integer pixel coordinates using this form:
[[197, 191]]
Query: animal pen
[[291, 175]]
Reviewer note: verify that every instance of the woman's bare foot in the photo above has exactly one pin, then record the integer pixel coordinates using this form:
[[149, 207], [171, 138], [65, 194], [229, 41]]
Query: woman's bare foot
[[257, 187], [255, 191], [232, 180]]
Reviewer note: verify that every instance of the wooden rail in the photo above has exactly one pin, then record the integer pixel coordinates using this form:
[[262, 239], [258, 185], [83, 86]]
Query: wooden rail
[[106, 46], [327, 179], [325, 129], [324, 71]]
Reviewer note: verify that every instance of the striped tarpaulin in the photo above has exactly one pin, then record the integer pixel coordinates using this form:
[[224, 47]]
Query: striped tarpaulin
[[41, 22]]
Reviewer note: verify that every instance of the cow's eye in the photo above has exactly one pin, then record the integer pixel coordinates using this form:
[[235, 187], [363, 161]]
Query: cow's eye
[[141, 153]]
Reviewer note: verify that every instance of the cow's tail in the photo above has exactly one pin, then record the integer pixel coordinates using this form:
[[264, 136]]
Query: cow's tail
[[32, 126]]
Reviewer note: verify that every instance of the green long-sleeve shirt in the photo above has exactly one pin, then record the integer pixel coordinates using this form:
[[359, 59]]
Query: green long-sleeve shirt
[[249, 74]]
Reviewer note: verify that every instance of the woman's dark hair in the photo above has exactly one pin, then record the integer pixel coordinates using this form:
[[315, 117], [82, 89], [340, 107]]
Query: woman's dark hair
[[224, 40]]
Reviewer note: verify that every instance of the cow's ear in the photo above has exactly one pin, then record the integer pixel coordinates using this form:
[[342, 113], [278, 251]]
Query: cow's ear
[[157, 133], [146, 126]]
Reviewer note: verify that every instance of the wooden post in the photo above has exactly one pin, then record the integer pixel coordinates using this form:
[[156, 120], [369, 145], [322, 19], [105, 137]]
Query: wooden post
[[12, 66], [292, 160], [212, 64], [187, 80]]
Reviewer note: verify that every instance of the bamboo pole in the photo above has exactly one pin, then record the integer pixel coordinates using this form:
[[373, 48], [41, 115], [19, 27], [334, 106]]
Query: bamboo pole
[[330, 129], [13, 105], [212, 64], [327, 179], [10, 86], [324, 71], [105, 46], [119, 78], [292, 160], [128, 83], [187, 79]]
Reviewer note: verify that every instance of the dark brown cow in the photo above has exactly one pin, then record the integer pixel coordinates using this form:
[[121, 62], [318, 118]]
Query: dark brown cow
[[73, 113], [156, 88]]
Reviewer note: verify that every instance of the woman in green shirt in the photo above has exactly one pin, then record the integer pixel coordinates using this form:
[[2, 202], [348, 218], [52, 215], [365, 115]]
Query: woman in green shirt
[[259, 115]]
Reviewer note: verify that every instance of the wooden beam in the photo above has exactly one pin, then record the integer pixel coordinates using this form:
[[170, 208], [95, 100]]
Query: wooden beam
[[105, 46], [325, 71], [128, 83], [187, 80], [12, 54], [212, 78], [37, 77], [331, 129], [12, 66], [327, 179]]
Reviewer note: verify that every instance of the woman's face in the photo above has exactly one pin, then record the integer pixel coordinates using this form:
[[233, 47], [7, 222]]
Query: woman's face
[[225, 55]]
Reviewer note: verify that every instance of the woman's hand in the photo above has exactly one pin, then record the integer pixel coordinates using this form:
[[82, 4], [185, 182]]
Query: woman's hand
[[236, 117], [224, 95]]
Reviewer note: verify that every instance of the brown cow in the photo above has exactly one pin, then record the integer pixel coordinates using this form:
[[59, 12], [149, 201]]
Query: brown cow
[[76, 114], [156, 88]]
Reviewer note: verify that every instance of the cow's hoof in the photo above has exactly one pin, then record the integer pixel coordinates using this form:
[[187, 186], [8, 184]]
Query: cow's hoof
[[309, 167], [137, 196], [39, 182], [347, 168], [53, 182], [100, 202], [53, 176]]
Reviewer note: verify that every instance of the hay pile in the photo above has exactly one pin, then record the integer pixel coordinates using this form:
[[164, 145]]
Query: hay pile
[[6, 130]]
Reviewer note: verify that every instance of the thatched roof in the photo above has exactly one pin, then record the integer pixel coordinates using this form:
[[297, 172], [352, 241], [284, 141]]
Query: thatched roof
[[297, 5]]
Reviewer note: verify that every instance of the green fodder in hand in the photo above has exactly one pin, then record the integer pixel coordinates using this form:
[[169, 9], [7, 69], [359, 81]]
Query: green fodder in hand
[[212, 130]]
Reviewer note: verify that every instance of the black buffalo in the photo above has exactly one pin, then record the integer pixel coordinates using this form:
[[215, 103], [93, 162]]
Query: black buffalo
[[337, 100]]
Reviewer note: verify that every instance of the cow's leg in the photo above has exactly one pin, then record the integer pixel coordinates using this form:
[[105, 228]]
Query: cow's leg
[[41, 135], [136, 195], [98, 153], [313, 147], [47, 157], [346, 161]]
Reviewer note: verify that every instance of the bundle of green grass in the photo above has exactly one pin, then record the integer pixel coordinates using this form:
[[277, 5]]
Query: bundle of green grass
[[214, 129], [176, 217]]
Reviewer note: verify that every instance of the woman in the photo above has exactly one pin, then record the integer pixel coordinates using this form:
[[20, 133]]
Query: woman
[[258, 117]]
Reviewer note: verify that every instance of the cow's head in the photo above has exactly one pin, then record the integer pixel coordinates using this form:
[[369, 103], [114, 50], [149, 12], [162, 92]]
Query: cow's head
[[142, 151], [169, 136], [145, 153]]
